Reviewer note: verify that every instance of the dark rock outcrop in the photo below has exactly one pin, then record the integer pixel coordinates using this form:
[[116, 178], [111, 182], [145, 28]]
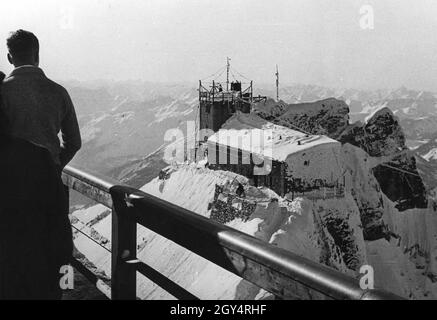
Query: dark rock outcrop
[[223, 210], [374, 227], [406, 187], [382, 136], [342, 234]]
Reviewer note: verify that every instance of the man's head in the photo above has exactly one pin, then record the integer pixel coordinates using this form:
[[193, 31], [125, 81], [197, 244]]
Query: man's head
[[23, 47]]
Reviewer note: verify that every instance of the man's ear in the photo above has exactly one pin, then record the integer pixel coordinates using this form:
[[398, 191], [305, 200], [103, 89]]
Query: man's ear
[[10, 59], [36, 59]]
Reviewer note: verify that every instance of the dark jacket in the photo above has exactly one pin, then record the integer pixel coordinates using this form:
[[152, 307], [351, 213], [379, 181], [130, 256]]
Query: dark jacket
[[3, 121], [38, 109]]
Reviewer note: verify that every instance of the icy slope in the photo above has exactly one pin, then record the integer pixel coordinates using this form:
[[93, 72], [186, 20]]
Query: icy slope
[[401, 246]]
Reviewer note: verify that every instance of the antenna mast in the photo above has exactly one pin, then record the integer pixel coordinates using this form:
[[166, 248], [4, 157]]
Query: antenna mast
[[277, 83], [228, 65]]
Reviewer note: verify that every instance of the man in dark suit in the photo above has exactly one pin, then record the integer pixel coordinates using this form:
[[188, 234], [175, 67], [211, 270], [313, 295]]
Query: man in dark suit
[[35, 233]]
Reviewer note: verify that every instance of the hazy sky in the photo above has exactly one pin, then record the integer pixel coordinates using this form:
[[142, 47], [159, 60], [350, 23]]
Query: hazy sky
[[313, 41]]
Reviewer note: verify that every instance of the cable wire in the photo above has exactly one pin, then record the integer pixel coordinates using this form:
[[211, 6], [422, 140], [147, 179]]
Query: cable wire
[[241, 75], [215, 73], [90, 238]]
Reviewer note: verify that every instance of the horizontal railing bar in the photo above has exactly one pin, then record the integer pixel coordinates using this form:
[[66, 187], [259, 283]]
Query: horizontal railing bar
[[271, 268], [91, 277], [165, 283], [103, 183], [91, 186]]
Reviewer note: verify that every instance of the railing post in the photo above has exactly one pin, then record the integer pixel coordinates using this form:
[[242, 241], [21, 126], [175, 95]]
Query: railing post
[[124, 242]]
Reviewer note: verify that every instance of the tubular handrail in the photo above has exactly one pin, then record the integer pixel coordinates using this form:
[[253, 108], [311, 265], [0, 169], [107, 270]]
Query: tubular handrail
[[269, 267]]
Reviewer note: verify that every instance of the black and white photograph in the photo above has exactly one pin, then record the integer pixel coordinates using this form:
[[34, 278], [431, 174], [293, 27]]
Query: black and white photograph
[[222, 158]]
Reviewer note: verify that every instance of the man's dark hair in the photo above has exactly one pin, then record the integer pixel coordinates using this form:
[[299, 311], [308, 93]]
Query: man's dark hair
[[23, 45]]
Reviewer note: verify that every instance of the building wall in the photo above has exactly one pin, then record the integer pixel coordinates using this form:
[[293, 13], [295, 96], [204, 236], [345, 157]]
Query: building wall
[[314, 169], [225, 158], [318, 166], [214, 115]]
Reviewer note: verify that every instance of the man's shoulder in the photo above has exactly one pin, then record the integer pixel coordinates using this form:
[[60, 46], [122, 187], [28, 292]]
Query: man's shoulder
[[8, 85], [8, 80], [13, 81], [13, 87], [57, 87]]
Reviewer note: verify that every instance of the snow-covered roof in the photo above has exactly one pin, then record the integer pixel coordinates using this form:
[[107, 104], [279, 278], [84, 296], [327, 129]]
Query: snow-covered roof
[[251, 133]]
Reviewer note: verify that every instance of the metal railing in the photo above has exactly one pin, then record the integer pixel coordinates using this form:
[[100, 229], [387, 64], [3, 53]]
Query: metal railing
[[274, 269]]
